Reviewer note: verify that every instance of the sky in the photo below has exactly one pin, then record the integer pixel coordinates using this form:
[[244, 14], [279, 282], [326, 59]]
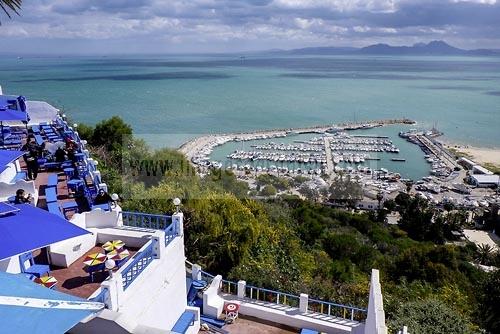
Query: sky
[[198, 26]]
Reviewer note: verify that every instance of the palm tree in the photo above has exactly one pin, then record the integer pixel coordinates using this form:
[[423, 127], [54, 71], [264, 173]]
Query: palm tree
[[10, 6], [484, 254]]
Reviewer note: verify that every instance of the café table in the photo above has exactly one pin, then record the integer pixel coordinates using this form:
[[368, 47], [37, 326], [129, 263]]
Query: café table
[[113, 245], [46, 281]]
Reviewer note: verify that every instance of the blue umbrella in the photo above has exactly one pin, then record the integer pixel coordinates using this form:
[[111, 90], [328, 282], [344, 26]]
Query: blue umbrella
[[24, 228], [26, 307]]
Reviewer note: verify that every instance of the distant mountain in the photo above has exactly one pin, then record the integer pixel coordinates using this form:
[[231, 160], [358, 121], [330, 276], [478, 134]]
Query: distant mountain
[[434, 48], [322, 50]]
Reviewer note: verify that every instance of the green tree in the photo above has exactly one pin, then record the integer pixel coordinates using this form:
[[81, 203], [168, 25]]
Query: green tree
[[311, 194], [490, 310], [112, 134], [429, 317], [344, 190], [268, 190]]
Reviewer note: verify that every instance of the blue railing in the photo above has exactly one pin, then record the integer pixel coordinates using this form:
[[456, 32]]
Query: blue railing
[[146, 220], [229, 287], [140, 261], [336, 310], [287, 299], [207, 277], [271, 296], [170, 234]]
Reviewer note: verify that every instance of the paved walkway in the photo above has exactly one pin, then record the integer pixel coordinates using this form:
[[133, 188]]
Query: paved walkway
[[483, 237]]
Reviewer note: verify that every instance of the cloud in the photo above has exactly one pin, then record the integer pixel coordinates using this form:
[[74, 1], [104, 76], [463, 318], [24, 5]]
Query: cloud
[[229, 25]]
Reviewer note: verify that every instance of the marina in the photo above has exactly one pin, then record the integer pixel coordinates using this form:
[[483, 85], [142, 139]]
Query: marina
[[382, 159], [328, 152]]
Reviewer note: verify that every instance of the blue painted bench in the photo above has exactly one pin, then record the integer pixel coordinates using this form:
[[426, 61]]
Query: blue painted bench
[[53, 207], [36, 129], [52, 165], [50, 195], [183, 323], [39, 139], [52, 181]]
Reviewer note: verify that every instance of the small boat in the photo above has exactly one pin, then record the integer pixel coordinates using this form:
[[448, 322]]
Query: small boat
[[398, 159]]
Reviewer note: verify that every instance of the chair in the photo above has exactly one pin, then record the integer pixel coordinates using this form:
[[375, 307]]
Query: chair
[[68, 207], [69, 172], [92, 269], [74, 184], [31, 277], [36, 269], [54, 208]]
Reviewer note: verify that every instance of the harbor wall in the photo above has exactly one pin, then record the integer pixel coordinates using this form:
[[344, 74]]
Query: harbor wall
[[314, 128]]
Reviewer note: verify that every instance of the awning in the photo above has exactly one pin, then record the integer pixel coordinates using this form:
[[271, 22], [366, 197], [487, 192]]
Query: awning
[[41, 112], [26, 307], [13, 115], [8, 156], [31, 228]]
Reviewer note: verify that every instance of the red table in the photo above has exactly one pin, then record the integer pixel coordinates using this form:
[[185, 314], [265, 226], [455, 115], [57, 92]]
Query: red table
[[46, 281], [231, 310]]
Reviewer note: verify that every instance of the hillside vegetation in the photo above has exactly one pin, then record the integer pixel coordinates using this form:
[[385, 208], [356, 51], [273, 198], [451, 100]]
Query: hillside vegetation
[[293, 245]]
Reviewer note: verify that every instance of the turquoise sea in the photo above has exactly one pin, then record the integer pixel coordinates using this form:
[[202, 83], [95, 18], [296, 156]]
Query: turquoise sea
[[170, 98], [415, 167]]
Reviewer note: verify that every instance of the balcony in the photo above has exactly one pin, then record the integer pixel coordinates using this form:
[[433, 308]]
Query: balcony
[[277, 307], [141, 234]]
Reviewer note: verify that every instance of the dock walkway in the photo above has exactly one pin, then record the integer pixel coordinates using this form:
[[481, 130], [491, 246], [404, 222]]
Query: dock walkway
[[329, 159], [437, 151]]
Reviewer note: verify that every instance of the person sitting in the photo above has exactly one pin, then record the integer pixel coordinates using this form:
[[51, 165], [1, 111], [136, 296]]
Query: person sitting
[[71, 149], [21, 197], [102, 197], [60, 155]]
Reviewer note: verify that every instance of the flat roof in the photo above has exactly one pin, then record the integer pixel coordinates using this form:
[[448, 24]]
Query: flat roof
[[482, 169], [486, 178], [467, 161], [41, 112]]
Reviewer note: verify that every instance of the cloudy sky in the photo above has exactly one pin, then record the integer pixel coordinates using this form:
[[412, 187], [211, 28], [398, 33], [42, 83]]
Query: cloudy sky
[[153, 26]]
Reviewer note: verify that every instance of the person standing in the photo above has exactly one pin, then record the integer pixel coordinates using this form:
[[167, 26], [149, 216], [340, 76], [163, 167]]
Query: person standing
[[30, 156]]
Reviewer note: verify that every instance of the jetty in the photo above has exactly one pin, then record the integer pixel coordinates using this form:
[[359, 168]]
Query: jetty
[[192, 147], [329, 160]]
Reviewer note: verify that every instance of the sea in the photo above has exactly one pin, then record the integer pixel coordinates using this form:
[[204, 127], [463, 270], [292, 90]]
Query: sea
[[171, 98]]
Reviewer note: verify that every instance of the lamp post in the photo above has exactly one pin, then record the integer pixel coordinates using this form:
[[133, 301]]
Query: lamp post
[[110, 264], [177, 203], [114, 199]]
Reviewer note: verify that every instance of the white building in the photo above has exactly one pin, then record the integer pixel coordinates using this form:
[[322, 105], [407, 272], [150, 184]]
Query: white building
[[148, 291], [477, 169], [484, 180]]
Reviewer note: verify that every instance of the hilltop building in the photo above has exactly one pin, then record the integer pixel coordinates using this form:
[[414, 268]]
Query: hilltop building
[[99, 269]]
